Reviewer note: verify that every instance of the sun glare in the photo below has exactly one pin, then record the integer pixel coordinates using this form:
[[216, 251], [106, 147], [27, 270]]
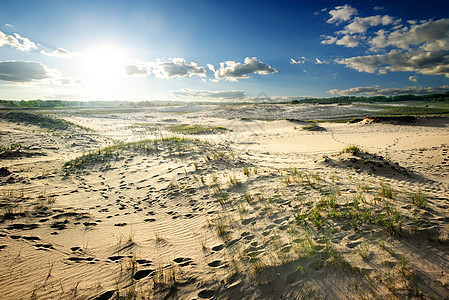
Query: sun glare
[[104, 63]]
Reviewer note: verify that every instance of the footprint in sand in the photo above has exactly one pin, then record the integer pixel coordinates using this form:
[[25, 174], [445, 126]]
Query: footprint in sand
[[144, 262], [116, 257], [3, 247], [143, 273], [44, 246], [81, 259], [218, 264], [183, 261], [22, 226], [218, 247], [31, 238], [120, 224], [206, 294]]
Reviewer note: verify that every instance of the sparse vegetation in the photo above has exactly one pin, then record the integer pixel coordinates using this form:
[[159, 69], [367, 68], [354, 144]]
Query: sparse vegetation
[[419, 199], [313, 127], [195, 129], [351, 149]]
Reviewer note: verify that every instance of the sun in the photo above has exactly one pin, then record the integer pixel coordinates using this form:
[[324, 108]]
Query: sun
[[104, 63]]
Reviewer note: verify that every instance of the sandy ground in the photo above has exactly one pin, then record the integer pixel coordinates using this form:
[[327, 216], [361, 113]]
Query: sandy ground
[[266, 210]]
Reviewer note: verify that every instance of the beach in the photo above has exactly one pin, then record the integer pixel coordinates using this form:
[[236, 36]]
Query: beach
[[213, 202]]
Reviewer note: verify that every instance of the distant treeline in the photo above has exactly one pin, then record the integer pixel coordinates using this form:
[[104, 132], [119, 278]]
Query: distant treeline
[[349, 99], [134, 104], [80, 104]]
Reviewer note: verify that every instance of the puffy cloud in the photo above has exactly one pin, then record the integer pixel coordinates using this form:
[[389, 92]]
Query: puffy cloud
[[413, 79], [174, 67], [30, 72], [374, 90], [219, 95], [419, 61], [232, 71], [211, 67], [178, 67], [342, 14], [60, 52], [137, 70], [419, 46], [300, 60], [16, 41], [430, 35], [23, 71], [350, 41], [361, 25], [318, 62]]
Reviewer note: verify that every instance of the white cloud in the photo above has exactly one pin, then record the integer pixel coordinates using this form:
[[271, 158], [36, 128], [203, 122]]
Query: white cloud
[[413, 78], [60, 52], [32, 72], [342, 14], [349, 41], [211, 67], [174, 67], [374, 90], [8, 25], [300, 60], [318, 62], [16, 41], [361, 25], [216, 95], [419, 61], [430, 36], [134, 70], [178, 67], [232, 71], [23, 71], [419, 46]]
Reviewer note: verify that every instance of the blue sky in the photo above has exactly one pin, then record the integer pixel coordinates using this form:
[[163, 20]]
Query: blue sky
[[217, 50]]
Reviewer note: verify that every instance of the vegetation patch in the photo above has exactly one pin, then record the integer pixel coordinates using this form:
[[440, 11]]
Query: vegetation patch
[[174, 145], [196, 129], [39, 120], [351, 149], [313, 127]]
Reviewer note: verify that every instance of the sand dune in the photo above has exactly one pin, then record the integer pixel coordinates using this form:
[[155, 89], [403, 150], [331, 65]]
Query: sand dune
[[265, 210]]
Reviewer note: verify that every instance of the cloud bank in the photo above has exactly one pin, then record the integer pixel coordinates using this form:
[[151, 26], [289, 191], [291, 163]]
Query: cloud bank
[[376, 91], [30, 72], [16, 41], [415, 46]]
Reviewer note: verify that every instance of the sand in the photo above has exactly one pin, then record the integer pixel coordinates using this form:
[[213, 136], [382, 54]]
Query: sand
[[265, 210]]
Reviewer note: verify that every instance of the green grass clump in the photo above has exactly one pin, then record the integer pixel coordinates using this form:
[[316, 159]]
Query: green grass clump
[[196, 129], [419, 199], [11, 147], [104, 155], [386, 190], [352, 149]]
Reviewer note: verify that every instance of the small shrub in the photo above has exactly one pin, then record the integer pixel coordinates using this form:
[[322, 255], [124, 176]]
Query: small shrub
[[352, 149], [419, 199]]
